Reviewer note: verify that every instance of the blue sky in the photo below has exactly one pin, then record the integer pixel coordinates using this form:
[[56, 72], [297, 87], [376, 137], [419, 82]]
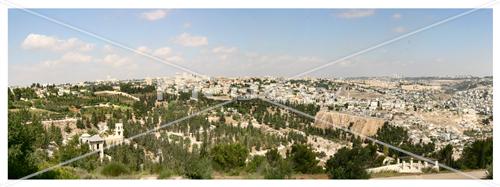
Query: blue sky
[[245, 42]]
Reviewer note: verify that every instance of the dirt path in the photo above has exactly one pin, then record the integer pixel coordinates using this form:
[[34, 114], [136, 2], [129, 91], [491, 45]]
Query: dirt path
[[451, 175]]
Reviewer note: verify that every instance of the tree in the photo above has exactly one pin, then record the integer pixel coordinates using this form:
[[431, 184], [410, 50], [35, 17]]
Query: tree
[[256, 164], [198, 168], [304, 159], [273, 157], [351, 163], [277, 168], [72, 149], [22, 140], [478, 154], [79, 124], [54, 134], [282, 169], [228, 157], [392, 135], [445, 156]]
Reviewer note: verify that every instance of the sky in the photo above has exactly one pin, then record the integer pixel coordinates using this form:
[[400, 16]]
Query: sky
[[245, 42]]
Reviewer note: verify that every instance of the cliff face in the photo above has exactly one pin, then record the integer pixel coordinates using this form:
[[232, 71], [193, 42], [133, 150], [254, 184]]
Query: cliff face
[[362, 125]]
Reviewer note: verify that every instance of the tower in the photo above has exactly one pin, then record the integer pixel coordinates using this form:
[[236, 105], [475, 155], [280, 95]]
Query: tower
[[119, 129]]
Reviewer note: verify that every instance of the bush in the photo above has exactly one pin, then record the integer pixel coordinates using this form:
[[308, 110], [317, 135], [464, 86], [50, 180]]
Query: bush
[[304, 159], [165, 173], [277, 167], [229, 156], [477, 155], [348, 164], [198, 168], [282, 170], [114, 169], [58, 173], [489, 172], [257, 164]]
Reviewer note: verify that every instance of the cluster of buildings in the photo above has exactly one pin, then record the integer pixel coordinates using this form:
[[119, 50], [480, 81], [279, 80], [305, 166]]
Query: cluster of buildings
[[426, 107], [431, 109], [98, 142]]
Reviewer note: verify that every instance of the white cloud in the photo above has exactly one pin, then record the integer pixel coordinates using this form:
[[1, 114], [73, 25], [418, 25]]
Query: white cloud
[[38, 41], [70, 57], [222, 49], [154, 15], [174, 59], [167, 54], [396, 16], [163, 52], [187, 25], [115, 60], [144, 49], [223, 52], [399, 29], [189, 40], [356, 13], [76, 57], [108, 48]]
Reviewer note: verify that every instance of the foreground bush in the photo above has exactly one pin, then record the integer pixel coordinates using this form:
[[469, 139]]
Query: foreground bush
[[198, 168], [114, 169], [227, 157]]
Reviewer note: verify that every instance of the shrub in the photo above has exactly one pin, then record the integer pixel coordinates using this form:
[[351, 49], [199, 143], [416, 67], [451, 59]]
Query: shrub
[[257, 164], [277, 167], [165, 173], [229, 157], [348, 164], [282, 170], [198, 168], [489, 172], [304, 159], [114, 169]]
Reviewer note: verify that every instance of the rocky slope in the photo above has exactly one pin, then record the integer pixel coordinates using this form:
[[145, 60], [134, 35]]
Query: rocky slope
[[364, 125]]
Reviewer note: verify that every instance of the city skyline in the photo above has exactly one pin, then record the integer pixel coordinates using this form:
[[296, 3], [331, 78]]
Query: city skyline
[[219, 42]]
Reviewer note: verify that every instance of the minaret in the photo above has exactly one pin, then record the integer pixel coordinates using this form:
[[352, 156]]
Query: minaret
[[119, 129], [100, 147]]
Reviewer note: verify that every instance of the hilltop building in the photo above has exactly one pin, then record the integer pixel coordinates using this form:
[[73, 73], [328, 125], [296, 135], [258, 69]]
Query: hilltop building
[[97, 142]]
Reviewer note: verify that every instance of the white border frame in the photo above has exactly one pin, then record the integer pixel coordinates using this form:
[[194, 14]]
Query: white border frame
[[234, 4]]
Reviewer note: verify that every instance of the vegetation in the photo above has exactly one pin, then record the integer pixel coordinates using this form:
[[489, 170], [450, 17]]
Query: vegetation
[[229, 157], [304, 159], [445, 156], [206, 146], [278, 167], [398, 136], [114, 169], [478, 154], [22, 143], [198, 168], [351, 163]]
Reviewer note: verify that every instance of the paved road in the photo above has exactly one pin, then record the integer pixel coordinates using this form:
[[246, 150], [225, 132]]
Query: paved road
[[475, 173]]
